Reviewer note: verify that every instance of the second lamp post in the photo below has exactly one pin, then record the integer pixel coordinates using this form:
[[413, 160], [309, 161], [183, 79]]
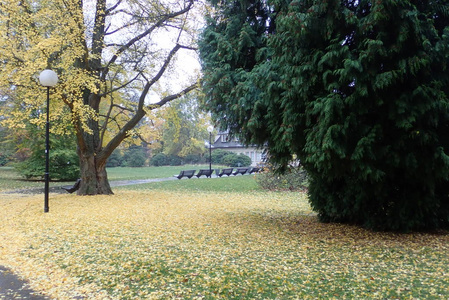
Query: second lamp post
[[210, 128]]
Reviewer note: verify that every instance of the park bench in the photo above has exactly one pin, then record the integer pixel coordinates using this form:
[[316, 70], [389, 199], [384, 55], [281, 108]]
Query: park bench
[[185, 173], [254, 170], [207, 172], [227, 172], [70, 189], [240, 171]]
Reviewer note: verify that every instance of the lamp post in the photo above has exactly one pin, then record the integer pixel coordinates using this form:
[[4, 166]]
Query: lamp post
[[210, 128], [47, 78]]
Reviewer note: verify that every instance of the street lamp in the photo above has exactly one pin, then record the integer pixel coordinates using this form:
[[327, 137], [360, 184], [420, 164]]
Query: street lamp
[[47, 78], [210, 128]]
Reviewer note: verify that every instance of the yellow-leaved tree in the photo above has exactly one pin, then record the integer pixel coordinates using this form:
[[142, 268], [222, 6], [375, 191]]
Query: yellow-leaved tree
[[109, 57]]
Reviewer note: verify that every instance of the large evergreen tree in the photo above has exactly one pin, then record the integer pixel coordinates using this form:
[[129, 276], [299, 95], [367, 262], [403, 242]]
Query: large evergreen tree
[[357, 89]]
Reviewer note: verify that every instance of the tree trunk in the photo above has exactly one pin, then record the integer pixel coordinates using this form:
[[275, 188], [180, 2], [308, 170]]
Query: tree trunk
[[94, 178]]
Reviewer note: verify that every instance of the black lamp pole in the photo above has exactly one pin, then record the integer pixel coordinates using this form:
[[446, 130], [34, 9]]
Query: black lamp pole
[[47, 78], [210, 128], [47, 152], [210, 153]]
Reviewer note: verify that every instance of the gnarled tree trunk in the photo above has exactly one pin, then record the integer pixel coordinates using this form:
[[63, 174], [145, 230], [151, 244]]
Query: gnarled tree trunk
[[94, 178]]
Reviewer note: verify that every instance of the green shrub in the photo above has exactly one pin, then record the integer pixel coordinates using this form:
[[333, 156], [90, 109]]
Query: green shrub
[[195, 159], [115, 159], [228, 158], [162, 159], [236, 160], [217, 156], [294, 179], [159, 159], [134, 156], [63, 165], [4, 159], [174, 160], [242, 160]]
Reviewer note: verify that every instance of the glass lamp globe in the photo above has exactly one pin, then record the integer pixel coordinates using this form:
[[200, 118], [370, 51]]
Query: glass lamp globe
[[48, 78]]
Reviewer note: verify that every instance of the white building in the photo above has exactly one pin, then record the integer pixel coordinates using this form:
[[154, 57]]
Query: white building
[[224, 142]]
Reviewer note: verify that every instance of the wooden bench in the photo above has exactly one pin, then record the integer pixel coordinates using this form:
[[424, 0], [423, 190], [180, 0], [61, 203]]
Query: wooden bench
[[240, 171], [186, 173], [70, 189], [254, 170], [227, 172], [207, 172]]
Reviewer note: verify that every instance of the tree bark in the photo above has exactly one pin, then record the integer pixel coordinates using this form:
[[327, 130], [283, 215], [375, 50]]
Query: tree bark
[[94, 178]]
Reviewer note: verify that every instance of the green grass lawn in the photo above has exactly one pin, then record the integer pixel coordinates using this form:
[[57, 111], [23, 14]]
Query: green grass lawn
[[218, 238], [239, 183], [11, 180]]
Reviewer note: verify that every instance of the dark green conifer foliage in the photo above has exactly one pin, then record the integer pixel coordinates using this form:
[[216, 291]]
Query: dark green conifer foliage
[[232, 45], [359, 90]]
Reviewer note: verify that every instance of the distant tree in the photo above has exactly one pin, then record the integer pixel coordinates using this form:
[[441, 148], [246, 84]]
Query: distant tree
[[358, 90], [194, 159], [134, 156], [115, 159], [159, 160], [25, 145], [185, 127]]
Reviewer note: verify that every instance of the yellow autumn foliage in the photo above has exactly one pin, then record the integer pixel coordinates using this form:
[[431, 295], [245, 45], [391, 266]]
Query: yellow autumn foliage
[[36, 36]]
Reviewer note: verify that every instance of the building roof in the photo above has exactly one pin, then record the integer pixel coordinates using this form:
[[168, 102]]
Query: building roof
[[228, 144]]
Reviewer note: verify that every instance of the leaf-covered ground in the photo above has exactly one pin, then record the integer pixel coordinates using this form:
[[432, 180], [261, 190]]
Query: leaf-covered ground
[[192, 245]]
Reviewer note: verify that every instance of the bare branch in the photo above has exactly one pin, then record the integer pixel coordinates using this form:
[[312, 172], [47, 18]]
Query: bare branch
[[123, 133], [182, 27], [120, 28], [110, 9], [157, 76], [165, 65], [189, 48], [120, 87], [167, 99], [123, 108], [137, 38]]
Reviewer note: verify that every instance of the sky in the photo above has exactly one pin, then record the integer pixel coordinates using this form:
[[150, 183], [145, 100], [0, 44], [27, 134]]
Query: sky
[[185, 68]]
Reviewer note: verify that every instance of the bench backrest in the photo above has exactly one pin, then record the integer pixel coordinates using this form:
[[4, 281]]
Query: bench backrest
[[205, 172], [254, 170], [187, 172]]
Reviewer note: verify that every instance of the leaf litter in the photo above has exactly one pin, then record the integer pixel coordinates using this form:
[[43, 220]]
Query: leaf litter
[[192, 245]]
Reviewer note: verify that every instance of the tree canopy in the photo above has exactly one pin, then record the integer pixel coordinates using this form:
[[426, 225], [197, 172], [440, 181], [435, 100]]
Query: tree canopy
[[111, 57], [358, 90], [185, 128]]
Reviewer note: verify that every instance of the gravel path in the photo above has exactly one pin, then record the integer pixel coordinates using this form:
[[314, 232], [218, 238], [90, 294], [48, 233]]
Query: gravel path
[[59, 190], [12, 287]]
